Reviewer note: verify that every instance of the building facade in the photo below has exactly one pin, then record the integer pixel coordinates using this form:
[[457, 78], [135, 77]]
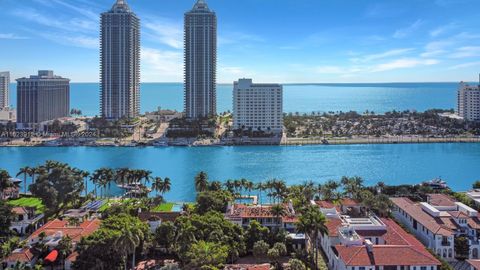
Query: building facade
[[200, 36], [120, 62], [468, 105], [257, 106], [438, 222], [359, 240], [4, 90], [42, 97]]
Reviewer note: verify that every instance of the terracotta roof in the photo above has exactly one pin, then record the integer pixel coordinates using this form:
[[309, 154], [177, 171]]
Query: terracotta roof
[[349, 202], [24, 255], [19, 210], [474, 222], [474, 263], [265, 266], [384, 255], [435, 225], [332, 226], [440, 200], [75, 232], [400, 248], [261, 211]]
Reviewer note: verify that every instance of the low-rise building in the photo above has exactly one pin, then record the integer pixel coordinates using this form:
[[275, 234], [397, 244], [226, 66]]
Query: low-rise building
[[243, 214], [24, 256], [369, 243], [163, 115], [438, 222], [25, 220]]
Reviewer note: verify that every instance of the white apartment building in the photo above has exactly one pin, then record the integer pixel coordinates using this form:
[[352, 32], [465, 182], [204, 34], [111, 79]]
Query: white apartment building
[[257, 106], [468, 105], [437, 222]]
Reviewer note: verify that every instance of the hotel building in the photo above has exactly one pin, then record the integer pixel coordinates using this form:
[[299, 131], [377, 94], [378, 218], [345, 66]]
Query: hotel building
[[120, 62], [4, 90], [468, 105], [359, 240], [40, 98], [257, 106], [438, 222], [200, 36]]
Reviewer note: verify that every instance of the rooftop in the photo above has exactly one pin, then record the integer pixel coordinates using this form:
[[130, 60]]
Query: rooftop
[[397, 248], [56, 227], [21, 255], [440, 215], [259, 211]]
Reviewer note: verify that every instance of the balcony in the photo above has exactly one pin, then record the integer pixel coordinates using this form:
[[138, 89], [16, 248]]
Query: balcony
[[446, 243]]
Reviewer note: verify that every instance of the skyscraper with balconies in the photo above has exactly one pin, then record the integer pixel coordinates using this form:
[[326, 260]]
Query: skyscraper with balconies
[[120, 62], [200, 61], [4, 89]]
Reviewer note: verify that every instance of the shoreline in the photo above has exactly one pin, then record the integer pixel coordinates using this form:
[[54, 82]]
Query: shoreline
[[284, 142]]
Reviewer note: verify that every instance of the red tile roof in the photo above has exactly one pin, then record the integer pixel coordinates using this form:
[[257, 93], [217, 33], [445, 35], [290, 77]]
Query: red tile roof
[[400, 248], [24, 256], [19, 210], [474, 263], [265, 266], [435, 225], [260, 211], [440, 200], [332, 226], [75, 232], [349, 202]]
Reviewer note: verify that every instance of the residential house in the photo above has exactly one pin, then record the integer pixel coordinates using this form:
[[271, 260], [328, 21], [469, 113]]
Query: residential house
[[366, 242], [243, 214], [438, 222], [25, 220]]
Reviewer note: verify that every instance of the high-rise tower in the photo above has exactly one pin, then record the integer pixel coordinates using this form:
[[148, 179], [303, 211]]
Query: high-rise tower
[[120, 62], [200, 61], [4, 89]]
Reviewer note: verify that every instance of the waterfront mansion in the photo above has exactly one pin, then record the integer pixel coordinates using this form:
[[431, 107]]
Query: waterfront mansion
[[359, 240], [438, 222]]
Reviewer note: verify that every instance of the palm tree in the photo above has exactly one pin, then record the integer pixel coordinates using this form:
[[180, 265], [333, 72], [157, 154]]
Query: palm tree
[[25, 171], [129, 241], [312, 222], [103, 177], [201, 181], [158, 185], [64, 248], [85, 175], [352, 186], [278, 211]]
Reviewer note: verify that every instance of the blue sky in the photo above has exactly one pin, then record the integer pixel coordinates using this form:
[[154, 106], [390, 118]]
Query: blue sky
[[270, 40]]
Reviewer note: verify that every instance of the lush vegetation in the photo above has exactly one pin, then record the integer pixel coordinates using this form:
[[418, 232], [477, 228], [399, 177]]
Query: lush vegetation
[[345, 124], [28, 202], [185, 128], [111, 129]]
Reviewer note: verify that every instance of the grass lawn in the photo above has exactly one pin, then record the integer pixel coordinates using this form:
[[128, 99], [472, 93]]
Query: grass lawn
[[29, 202], [164, 207]]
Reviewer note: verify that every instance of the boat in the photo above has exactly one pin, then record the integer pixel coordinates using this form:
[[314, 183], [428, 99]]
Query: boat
[[436, 183]]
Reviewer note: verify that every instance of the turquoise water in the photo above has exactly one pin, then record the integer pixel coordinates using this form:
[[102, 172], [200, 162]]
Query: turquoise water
[[458, 164], [297, 98]]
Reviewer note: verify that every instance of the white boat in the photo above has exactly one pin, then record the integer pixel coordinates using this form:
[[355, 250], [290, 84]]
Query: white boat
[[436, 183]]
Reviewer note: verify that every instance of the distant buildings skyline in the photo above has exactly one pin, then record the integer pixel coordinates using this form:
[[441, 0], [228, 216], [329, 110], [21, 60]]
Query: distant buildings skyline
[[42, 97], [4, 90], [119, 62], [200, 53]]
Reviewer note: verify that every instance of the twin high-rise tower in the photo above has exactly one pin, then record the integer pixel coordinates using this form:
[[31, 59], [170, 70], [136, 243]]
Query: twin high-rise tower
[[200, 62], [120, 62]]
